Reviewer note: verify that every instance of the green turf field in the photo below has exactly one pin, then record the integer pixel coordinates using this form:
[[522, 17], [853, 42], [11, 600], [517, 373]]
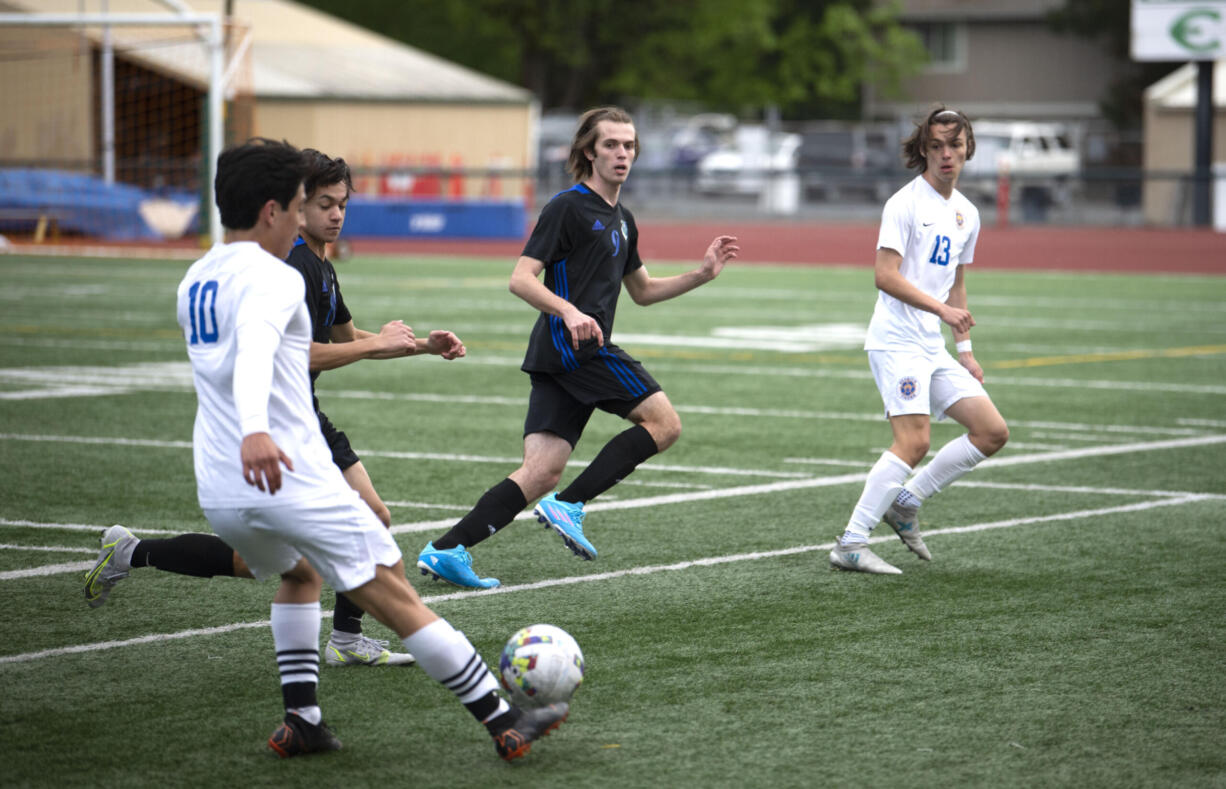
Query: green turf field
[[1070, 631]]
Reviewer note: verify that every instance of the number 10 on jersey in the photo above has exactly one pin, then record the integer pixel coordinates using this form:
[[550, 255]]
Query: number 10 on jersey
[[202, 308]]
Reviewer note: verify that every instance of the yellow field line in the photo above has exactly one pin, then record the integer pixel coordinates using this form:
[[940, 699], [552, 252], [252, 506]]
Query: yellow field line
[[1113, 356]]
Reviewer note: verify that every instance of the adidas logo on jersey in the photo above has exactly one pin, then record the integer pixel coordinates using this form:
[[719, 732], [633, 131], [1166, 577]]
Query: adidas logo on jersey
[[598, 226]]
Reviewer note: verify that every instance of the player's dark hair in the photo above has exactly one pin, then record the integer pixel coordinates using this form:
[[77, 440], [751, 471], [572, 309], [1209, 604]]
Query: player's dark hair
[[913, 147], [323, 170], [578, 165], [251, 174]]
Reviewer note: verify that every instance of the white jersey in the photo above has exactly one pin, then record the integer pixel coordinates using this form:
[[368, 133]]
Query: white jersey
[[934, 237], [239, 291]]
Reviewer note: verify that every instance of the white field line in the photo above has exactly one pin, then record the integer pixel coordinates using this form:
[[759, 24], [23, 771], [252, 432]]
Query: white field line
[[613, 575], [97, 529], [774, 487], [5, 546], [176, 376]]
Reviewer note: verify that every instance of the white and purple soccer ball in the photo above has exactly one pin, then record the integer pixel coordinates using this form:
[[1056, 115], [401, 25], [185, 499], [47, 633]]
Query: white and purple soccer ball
[[540, 665]]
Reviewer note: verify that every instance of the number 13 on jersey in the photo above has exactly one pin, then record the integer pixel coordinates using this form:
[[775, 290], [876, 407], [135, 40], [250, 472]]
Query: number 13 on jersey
[[940, 251], [202, 308]]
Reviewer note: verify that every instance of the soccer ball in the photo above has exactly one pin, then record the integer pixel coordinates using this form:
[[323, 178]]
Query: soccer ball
[[541, 665]]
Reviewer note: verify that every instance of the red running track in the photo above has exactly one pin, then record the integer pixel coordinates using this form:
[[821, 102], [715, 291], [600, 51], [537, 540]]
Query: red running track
[[1150, 250]]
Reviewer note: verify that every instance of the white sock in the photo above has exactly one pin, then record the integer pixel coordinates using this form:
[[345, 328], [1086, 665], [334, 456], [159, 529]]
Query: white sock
[[953, 461], [446, 655], [880, 489], [312, 715]]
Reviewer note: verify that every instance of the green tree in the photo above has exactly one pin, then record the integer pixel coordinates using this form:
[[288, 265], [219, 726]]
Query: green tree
[[803, 56]]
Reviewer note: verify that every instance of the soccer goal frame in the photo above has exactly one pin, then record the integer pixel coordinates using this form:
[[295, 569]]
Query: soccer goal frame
[[210, 31]]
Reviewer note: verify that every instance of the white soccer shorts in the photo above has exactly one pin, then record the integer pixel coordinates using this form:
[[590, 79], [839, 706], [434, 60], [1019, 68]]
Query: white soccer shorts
[[913, 383], [338, 534]]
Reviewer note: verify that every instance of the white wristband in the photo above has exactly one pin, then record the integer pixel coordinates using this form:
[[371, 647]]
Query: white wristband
[[964, 346]]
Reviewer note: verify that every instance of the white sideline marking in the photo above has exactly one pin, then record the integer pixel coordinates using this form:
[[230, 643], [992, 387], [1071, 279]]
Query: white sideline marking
[[612, 575], [76, 527], [46, 569], [8, 546]]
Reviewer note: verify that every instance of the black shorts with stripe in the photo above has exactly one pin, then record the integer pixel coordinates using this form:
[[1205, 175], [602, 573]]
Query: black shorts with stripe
[[610, 380]]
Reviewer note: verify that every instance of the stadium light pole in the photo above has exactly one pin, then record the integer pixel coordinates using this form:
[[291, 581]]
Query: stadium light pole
[[212, 38]]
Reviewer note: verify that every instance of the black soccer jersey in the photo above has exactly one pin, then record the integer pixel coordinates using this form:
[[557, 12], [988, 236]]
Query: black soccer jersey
[[587, 247], [323, 294]]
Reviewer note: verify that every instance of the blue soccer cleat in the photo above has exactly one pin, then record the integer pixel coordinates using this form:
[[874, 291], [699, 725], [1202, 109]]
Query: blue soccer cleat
[[453, 565], [567, 520]]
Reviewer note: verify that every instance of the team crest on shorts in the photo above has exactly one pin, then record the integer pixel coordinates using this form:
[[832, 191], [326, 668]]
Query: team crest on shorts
[[959, 218], [907, 388]]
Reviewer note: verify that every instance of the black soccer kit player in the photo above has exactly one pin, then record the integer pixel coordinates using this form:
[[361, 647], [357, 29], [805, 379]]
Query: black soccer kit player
[[327, 308], [588, 247]]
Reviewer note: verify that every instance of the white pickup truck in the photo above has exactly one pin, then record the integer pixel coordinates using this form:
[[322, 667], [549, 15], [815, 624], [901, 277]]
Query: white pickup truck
[[1039, 158]]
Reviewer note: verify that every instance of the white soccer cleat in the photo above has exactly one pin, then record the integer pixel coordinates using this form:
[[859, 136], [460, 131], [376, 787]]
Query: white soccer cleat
[[861, 559], [114, 562], [903, 519], [365, 652]]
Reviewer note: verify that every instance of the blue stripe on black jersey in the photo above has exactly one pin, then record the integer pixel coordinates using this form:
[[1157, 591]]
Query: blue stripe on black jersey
[[580, 188], [623, 373], [556, 326]]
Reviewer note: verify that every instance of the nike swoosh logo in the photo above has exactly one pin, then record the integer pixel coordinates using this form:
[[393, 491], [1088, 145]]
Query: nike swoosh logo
[[926, 224]]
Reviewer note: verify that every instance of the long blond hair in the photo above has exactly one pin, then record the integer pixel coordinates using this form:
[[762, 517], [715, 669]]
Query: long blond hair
[[578, 165]]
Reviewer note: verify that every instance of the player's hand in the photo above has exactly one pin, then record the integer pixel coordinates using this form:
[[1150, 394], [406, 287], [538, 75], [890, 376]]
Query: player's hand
[[721, 251], [958, 318], [444, 344], [262, 460], [967, 360], [396, 339], [582, 327]]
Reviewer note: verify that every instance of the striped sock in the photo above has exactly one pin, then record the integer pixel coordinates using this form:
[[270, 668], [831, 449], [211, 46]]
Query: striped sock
[[295, 633], [447, 656]]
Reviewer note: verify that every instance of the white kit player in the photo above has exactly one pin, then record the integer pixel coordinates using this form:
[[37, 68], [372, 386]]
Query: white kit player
[[248, 336], [928, 234]]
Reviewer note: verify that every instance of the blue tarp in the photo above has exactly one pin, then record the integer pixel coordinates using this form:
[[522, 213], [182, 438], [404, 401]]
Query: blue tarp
[[369, 217], [85, 203]]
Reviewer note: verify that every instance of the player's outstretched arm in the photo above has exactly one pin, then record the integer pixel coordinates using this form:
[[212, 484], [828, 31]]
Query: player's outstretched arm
[[350, 344], [646, 289], [441, 343]]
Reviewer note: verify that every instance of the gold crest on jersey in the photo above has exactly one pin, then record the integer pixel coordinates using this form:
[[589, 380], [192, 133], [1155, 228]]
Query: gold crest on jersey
[[959, 218]]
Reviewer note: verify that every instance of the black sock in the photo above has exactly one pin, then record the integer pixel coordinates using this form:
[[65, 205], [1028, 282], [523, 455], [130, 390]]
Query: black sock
[[614, 463], [347, 615], [497, 507], [201, 555], [486, 706]]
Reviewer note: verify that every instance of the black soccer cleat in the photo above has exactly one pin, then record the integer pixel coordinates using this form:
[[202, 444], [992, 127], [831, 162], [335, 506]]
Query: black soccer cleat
[[530, 725], [297, 737]]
